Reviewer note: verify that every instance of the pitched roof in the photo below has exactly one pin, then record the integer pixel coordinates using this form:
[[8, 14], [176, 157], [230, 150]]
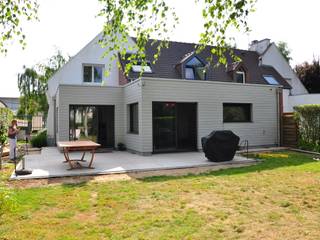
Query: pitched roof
[[178, 52]]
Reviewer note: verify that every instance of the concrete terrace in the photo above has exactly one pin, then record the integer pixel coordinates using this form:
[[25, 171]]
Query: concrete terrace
[[49, 163]]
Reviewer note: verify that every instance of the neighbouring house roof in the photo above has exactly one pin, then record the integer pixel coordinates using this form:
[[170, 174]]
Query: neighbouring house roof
[[10, 102], [2, 104], [177, 53]]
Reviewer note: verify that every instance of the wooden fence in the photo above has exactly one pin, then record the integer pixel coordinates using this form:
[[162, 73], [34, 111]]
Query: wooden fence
[[289, 130]]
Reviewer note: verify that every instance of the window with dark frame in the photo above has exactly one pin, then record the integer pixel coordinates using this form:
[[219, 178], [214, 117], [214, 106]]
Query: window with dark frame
[[133, 118], [237, 112], [195, 69]]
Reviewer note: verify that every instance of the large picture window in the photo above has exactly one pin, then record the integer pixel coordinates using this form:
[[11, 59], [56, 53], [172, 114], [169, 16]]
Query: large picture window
[[92, 73], [237, 112], [133, 118]]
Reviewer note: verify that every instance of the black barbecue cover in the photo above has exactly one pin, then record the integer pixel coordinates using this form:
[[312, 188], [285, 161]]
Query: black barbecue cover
[[220, 146]]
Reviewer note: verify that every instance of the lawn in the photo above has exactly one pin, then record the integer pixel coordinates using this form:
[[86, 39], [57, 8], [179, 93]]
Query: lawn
[[277, 199]]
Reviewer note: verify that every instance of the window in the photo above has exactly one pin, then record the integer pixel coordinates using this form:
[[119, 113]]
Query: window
[[189, 73], [133, 118], [237, 112], [270, 79], [92, 73], [195, 69], [240, 77], [140, 68]]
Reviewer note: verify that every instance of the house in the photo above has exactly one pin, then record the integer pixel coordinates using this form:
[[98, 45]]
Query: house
[[298, 94], [171, 106]]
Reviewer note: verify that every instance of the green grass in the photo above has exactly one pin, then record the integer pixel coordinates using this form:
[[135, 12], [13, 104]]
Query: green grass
[[277, 199]]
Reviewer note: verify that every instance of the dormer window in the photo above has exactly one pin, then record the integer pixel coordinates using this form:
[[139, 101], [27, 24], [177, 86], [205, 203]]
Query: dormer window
[[238, 72], [240, 77], [195, 69]]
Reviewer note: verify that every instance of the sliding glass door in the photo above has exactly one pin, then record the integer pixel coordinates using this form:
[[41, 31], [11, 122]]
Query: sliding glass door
[[95, 123], [83, 123], [164, 126], [174, 126]]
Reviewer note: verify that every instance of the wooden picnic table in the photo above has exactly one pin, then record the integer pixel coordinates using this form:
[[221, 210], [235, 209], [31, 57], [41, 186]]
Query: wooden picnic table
[[82, 146]]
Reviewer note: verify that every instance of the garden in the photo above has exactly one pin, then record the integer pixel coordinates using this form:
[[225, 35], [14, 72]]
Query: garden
[[278, 198]]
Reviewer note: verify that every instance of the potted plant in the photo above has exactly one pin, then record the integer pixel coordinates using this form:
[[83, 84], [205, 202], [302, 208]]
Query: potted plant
[[121, 147]]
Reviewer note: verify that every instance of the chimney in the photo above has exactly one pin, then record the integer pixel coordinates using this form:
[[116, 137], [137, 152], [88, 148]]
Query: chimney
[[259, 46]]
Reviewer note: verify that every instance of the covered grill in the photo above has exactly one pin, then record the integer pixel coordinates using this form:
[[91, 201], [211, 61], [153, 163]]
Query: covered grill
[[220, 146]]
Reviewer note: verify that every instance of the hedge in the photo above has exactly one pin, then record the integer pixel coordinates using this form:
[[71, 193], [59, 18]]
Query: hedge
[[308, 119], [6, 117], [40, 140]]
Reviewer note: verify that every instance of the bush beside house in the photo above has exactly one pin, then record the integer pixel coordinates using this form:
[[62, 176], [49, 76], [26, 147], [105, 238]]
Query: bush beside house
[[39, 140], [308, 119]]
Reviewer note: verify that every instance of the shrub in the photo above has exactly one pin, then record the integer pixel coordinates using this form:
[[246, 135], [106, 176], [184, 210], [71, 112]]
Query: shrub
[[121, 147], [40, 140], [6, 116], [308, 119]]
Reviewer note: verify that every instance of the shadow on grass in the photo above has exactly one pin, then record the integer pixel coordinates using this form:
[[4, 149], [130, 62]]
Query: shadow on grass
[[276, 160]]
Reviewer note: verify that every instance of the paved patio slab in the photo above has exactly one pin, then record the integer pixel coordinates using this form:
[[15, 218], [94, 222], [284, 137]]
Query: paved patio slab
[[50, 164]]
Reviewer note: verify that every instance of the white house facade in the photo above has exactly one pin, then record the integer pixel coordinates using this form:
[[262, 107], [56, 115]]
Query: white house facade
[[170, 107]]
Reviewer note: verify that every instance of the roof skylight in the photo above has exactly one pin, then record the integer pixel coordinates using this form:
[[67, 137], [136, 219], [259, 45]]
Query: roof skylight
[[270, 79], [140, 68]]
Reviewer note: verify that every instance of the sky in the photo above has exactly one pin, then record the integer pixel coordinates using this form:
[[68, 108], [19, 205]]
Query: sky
[[68, 25]]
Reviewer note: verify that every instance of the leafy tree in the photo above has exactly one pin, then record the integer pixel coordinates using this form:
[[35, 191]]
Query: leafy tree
[[309, 74], [31, 88], [285, 51], [12, 12], [32, 84], [146, 18]]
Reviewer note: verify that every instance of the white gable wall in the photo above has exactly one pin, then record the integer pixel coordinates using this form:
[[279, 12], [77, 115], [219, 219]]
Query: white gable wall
[[72, 72]]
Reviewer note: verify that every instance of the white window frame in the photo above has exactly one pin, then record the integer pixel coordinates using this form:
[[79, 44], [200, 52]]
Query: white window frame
[[92, 73], [243, 76]]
